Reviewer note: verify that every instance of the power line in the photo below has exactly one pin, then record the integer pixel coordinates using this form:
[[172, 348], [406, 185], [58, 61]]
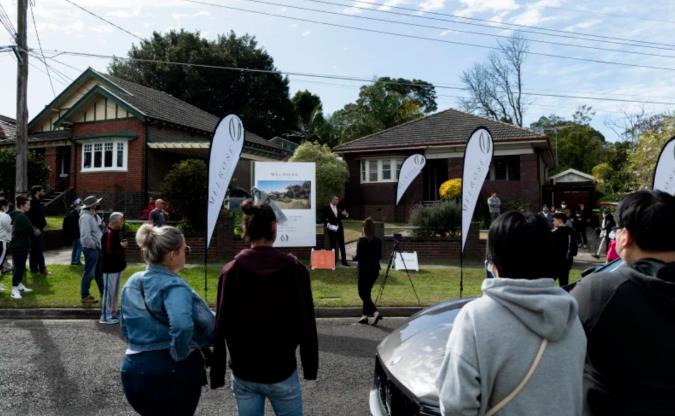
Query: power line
[[522, 27], [7, 22], [444, 28], [445, 41], [621, 16], [56, 72], [37, 35], [340, 77], [105, 20]]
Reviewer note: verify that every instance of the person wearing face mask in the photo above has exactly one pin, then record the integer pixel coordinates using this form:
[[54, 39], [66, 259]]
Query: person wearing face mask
[[629, 314]]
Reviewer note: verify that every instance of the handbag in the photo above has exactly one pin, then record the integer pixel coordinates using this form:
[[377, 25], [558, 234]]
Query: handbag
[[537, 359]]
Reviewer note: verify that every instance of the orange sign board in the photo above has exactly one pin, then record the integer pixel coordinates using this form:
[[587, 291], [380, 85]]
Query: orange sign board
[[323, 259]]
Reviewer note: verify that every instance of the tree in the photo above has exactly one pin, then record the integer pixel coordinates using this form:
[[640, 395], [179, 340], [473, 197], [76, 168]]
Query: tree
[[186, 187], [312, 125], [38, 171], [642, 160], [576, 145], [331, 172], [384, 104], [260, 99], [496, 87]]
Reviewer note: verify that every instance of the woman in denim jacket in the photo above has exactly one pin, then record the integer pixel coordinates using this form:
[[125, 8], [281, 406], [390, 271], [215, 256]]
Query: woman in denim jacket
[[164, 323]]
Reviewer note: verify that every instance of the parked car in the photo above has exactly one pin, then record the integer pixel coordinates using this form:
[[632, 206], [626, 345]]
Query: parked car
[[407, 360]]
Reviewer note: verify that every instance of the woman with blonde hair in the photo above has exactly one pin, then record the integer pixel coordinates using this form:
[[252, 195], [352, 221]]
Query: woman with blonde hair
[[165, 324]]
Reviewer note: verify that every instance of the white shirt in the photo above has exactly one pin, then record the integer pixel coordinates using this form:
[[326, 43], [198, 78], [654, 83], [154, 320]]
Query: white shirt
[[5, 227], [334, 209]]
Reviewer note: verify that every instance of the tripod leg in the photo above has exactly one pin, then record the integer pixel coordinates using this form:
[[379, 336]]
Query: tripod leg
[[386, 275], [409, 279]]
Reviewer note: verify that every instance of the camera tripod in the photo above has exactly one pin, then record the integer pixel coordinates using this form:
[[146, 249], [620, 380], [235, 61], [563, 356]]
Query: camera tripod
[[396, 250]]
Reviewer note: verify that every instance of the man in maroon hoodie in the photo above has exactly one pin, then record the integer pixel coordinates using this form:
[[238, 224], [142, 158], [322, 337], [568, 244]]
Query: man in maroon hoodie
[[265, 310]]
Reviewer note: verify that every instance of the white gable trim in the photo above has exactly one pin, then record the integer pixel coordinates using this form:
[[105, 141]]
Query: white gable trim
[[563, 176]]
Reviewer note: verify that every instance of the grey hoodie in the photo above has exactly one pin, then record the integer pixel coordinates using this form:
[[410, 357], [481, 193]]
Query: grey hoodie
[[494, 341]]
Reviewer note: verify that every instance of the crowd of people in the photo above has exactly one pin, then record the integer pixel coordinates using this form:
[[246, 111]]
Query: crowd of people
[[527, 347]]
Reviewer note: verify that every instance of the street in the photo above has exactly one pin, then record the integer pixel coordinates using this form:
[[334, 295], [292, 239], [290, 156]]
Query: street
[[71, 367]]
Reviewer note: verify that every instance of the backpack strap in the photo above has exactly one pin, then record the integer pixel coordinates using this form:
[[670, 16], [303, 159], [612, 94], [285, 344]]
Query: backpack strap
[[154, 315], [537, 359]]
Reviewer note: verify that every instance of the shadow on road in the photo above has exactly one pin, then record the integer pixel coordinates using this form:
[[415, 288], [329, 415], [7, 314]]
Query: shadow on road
[[348, 346], [53, 373]]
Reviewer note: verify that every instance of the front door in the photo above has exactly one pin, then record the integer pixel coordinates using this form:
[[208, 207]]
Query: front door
[[435, 173]]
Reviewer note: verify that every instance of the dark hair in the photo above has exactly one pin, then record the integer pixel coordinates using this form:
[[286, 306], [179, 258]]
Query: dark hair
[[519, 245], [3, 202], [561, 216], [369, 228], [258, 221], [21, 200], [35, 189], [650, 218]]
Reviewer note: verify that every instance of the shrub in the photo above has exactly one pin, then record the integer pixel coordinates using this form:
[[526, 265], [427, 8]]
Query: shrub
[[439, 219], [331, 172], [38, 171], [186, 187], [518, 205], [451, 190]]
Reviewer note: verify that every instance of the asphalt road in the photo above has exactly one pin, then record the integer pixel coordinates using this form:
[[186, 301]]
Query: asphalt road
[[71, 367]]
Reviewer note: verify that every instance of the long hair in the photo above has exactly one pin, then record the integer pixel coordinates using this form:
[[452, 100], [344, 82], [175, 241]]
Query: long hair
[[369, 228]]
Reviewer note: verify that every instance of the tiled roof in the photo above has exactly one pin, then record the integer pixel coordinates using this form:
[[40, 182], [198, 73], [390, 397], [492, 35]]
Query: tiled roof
[[445, 127], [7, 129], [163, 106]]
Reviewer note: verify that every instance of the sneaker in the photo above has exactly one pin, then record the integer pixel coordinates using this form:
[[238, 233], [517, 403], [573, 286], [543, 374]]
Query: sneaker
[[45, 272], [23, 288], [88, 300], [111, 321], [16, 294]]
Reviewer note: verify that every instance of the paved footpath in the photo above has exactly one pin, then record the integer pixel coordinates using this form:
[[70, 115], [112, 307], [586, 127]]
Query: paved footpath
[[70, 367]]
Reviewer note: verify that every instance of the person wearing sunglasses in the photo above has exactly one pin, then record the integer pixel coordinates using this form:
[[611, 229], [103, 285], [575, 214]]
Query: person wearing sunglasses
[[167, 326]]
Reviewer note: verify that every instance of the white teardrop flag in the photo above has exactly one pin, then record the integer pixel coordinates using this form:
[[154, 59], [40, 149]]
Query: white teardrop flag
[[664, 174], [226, 145], [477, 159], [411, 167]]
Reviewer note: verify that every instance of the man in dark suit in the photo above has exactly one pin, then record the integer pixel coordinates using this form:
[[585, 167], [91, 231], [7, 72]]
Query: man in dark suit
[[332, 222]]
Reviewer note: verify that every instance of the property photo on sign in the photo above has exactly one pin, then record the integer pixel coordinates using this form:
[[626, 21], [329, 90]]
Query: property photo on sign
[[288, 194]]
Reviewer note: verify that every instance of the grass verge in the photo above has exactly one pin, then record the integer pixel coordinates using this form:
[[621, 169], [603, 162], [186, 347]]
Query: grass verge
[[330, 288]]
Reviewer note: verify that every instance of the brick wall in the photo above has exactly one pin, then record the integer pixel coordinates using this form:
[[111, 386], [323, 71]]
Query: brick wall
[[121, 190], [433, 249], [51, 162]]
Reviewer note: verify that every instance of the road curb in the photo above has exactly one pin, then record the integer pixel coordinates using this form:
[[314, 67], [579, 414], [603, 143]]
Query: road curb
[[95, 313]]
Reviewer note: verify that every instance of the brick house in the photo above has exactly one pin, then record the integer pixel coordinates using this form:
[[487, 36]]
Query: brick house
[[117, 139], [519, 169]]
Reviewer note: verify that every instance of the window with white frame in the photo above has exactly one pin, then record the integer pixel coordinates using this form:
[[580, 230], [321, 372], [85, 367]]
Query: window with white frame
[[380, 170], [104, 156]]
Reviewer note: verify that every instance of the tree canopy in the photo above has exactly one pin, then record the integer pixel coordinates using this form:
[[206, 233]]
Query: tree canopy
[[642, 160], [381, 105], [331, 172], [260, 99]]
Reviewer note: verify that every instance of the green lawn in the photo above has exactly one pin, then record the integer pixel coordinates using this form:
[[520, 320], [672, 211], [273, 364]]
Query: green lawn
[[330, 288], [54, 222]]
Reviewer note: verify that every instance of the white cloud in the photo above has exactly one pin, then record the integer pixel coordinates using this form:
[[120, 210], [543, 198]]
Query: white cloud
[[473, 7], [306, 33], [362, 5], [430, 5], [387, 5]]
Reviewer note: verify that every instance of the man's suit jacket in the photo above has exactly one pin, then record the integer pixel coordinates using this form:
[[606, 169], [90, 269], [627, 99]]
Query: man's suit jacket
[[330, 218]]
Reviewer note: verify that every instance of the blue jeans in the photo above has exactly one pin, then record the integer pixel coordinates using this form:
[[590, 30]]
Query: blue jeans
[[285, 396], [92, 268], [77, 252], [155, 384]]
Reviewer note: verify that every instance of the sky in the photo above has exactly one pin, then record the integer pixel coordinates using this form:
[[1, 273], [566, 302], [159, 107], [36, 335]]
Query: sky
[[437, 54]]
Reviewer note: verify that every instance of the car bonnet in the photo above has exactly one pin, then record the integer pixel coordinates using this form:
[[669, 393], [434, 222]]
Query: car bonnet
[[412, 354]]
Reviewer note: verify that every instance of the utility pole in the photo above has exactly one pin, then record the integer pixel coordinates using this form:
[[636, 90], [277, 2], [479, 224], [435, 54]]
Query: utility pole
[[21, 184]]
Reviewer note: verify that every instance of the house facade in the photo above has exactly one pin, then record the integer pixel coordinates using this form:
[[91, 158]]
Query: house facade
[[519, 168], [117, 139]]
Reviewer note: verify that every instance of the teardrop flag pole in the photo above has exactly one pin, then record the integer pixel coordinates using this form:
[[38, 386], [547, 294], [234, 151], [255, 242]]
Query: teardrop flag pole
[[477, 158], [664, 173], [224, 152]]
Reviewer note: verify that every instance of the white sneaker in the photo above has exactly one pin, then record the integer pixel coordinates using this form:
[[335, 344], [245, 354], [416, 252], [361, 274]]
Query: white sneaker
[[23, 288], [16, 294]]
